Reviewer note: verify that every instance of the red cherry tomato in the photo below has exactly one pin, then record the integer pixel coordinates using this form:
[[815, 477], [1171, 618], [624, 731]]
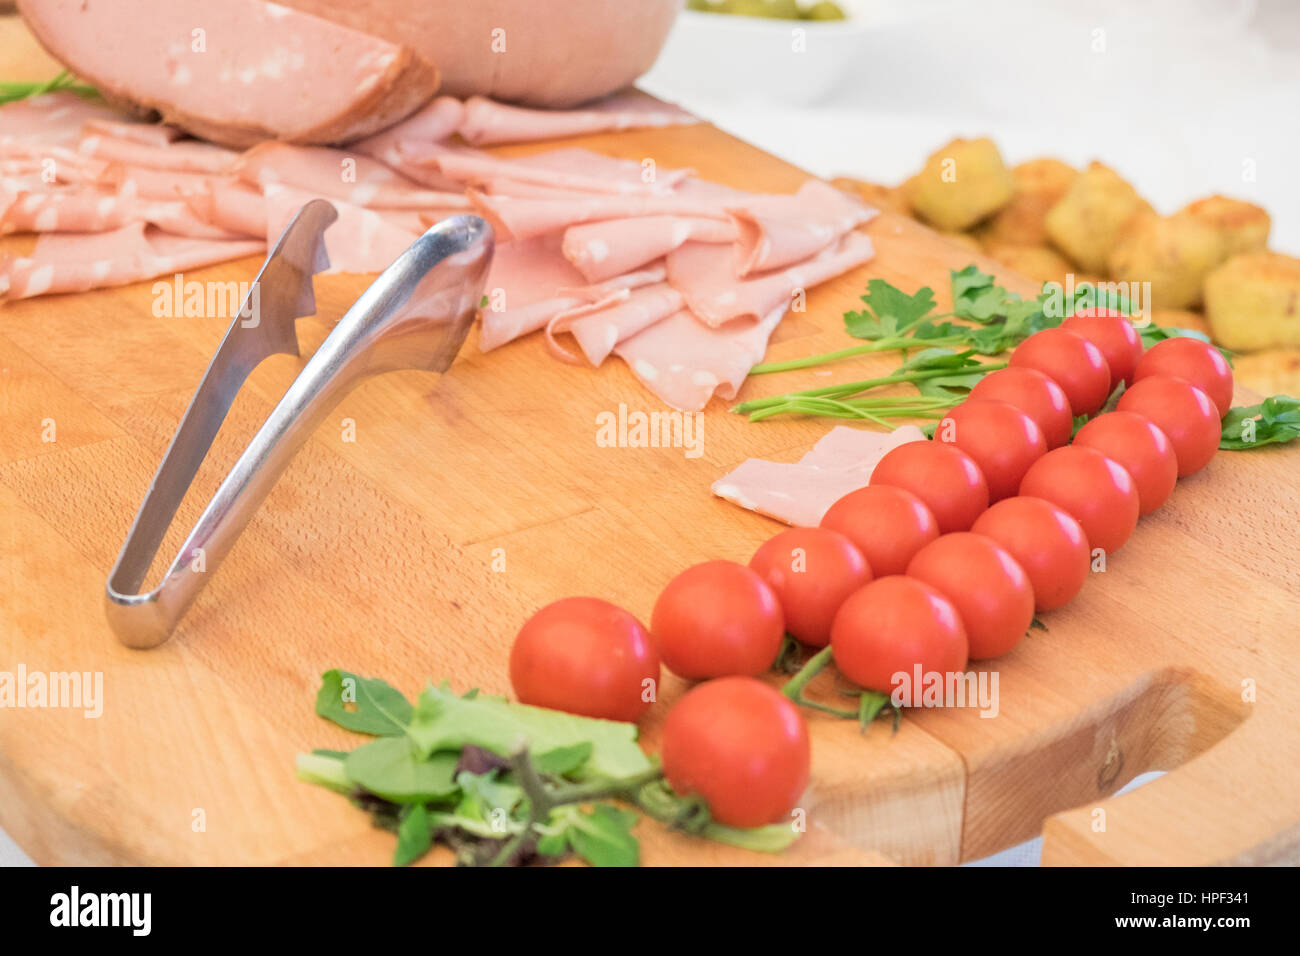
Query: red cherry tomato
[[888, 525], [1002, 439], [1033, 393], [1094, 490], [585, 656], [740, 745], [811, 571], [1182, 411], [1194, 361], [1141, 448], [1075, 363], [893, 625], [944, 477], [990, 591], [1045, 541], [1113, 333], [717, 619]]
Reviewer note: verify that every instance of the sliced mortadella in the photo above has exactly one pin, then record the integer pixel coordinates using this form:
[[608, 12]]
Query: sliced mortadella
[[598, 327], [523, 218], [148, 134], [776, 231], [801, 493], [703, 273], [64, 210], [51, 119], [858, 449], [360, 240], [432, 123], [468, 165], [229, 204], [155, 183], [338, 174], [686, 362], [487, 122], [186, 155], [613, 246], [76, 262], [794, 493]]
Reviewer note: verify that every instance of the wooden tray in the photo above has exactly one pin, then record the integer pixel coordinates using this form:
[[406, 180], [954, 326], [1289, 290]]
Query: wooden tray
[[377, 555]]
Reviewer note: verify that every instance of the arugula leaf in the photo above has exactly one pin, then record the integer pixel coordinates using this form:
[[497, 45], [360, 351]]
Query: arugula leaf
[[1272, 421], [414, 836], [444, 721], [603, 836], [376, 707], [563, 761], [392, 768]]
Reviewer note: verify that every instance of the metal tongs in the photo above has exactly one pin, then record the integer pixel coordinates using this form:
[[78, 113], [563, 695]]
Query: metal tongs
[[415, 316]]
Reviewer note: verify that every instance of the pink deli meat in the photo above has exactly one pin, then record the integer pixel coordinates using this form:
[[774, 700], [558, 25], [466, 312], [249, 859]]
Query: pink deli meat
[[703, 273], [79, 262], [239, 71], [360, 240], [338, 174], [487, 122], [686, 362], [612, 246], [599, 327], [778, 231], [800, 493]]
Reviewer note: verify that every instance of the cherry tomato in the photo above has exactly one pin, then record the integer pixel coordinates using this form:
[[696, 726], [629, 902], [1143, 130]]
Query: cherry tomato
[[717, 619], [740, 745], [888, 525], [811, 571], [1045, 541], [944, 477], [1182, 411], [1033, 393], [990, 591], [1141, 448], [1002, 439], [1193, 361], [892, 625], [1075, 363], [1113, 333], [585, 656], [1094, 490]]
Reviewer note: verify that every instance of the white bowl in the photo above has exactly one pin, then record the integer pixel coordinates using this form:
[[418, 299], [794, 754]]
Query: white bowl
[[754, 59]]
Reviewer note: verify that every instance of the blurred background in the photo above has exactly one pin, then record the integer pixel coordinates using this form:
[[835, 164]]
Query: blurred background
[[1183, 98]]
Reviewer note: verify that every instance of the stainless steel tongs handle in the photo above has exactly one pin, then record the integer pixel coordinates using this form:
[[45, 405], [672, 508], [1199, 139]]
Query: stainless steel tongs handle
[[415, 316]]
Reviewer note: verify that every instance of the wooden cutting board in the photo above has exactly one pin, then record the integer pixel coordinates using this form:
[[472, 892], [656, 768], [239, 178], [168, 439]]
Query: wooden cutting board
[[420, 527]]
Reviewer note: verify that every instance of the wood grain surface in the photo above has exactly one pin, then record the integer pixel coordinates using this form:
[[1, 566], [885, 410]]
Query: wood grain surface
[[377, 555]]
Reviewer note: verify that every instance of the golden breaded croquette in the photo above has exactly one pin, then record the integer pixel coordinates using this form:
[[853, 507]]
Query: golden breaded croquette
[[1270, 372], [1242, 226], [962, 183], [1173, 253], [1039, 184], [1040, 263], [882, 197], [1253, 301], [1087, 221]]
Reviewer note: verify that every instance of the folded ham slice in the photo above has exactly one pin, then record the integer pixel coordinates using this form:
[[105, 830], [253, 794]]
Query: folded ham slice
[[238, 71], [598, 327], [338, 174], [781, 230], [148, 134], [229, 204], [360, 240], [432, 123], [525, 218], [801, 493], [487, 121], [182, 156], [51, 119], [612, 246], [79, 262], [154, 183], [703, 273], [686, 362]]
